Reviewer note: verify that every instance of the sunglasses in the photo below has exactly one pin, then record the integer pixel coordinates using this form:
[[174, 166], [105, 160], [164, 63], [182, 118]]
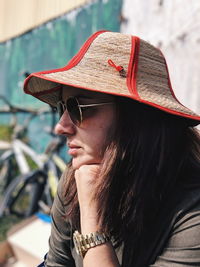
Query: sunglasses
[[76, 110]]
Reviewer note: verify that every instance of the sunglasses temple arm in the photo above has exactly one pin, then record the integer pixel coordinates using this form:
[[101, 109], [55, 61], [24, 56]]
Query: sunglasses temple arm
[[94, 105]]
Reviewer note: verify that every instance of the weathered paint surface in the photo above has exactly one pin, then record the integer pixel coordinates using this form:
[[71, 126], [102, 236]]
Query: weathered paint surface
[[52, 45], [172, 25]]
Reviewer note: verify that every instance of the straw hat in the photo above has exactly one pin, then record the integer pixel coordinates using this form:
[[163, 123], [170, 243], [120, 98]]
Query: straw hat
[[117, 64]]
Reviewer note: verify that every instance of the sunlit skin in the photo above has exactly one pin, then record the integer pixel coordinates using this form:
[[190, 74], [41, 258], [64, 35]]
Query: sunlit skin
[[86, 146], [87, 141]]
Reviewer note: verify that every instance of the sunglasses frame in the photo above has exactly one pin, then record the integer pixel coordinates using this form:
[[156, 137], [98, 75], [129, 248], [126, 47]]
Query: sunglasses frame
[[80, 107]]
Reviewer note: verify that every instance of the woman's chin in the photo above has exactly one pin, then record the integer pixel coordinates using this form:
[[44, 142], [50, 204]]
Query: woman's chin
[[77, 163]]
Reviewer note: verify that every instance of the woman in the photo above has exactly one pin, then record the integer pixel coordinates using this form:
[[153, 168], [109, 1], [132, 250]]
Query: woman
[[131, 195]]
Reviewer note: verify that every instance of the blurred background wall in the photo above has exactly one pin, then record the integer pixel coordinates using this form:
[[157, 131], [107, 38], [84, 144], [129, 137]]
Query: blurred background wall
[[41, 34], [48, 43], [174, 27], [35, 34], [17, 17]]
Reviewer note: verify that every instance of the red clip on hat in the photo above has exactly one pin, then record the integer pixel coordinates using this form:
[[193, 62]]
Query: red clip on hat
[[116, 64]]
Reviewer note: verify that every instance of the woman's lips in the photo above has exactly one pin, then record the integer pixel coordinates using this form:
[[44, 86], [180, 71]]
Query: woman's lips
[[73, 150]]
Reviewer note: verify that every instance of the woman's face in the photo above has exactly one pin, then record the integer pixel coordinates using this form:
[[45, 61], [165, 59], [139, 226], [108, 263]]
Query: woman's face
[[87, 142]]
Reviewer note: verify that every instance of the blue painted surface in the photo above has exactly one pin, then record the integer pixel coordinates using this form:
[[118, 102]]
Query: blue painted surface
[[50, 46]]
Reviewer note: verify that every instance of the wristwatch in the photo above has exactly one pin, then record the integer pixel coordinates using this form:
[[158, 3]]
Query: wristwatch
[[83, 243]]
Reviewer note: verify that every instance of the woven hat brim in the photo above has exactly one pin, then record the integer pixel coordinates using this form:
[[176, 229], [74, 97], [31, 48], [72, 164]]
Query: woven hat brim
[[52, 94], [148, 85]]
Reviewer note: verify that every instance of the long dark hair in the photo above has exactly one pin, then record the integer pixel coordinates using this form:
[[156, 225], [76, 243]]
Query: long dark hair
[[151, 155]]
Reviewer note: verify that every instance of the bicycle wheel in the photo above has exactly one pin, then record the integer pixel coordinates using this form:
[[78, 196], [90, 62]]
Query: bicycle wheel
[[23, 194]]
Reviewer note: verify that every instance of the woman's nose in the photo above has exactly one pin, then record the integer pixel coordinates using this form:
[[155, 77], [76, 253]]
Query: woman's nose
[[65, 126]]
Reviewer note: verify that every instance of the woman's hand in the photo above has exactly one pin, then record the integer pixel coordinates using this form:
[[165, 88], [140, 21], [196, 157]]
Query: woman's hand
[[103, 255], [86, 187]]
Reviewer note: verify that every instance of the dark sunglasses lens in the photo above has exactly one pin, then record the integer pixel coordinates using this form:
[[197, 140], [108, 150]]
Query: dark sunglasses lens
[[73, 110], [60, 108]]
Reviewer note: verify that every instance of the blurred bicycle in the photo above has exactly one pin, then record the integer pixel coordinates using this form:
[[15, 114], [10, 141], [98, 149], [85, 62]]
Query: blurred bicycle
[[28, 189]]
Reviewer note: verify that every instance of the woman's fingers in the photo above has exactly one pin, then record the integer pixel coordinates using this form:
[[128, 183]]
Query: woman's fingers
[[85, 180]]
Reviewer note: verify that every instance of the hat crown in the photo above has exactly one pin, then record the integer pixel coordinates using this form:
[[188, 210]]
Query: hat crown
[[118, 64]]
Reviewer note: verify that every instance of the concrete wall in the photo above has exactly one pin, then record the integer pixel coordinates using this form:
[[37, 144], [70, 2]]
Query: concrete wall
[[174, 26]]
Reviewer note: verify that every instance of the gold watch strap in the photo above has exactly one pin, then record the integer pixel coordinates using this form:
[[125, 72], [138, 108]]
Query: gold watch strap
[[84, 242]]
